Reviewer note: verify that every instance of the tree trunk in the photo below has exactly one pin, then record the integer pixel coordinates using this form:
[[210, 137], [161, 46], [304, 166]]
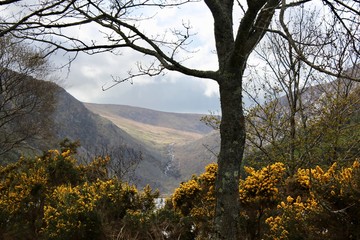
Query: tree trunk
[[232, 131]]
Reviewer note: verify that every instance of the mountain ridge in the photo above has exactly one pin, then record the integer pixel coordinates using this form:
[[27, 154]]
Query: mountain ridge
[[178, 121], [187, 149]]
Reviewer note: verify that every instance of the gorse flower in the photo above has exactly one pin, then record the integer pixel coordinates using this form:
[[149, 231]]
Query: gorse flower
[[59, 199], [53, 197], [261, 185]]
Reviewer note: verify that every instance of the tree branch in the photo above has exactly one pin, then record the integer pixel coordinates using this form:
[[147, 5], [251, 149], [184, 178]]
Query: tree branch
[[301, 55]]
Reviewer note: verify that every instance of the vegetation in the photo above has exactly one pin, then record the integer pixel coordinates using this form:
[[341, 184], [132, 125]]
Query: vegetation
[[53, 197], [314, 203], [238, 28], [22, 97], [312, 195]]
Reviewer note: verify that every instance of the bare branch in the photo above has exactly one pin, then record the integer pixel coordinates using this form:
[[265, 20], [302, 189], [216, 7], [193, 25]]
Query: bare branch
[[300, 53]]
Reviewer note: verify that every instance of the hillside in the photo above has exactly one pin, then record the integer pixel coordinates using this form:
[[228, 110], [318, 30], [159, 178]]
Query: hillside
[[193, 156], [75, 121], [183, 139], [186, 143], [153, 128], [99, 136], [146, 146], [177, 121]]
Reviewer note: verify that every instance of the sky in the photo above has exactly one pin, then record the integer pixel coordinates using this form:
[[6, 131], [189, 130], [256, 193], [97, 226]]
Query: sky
[[172, 92]]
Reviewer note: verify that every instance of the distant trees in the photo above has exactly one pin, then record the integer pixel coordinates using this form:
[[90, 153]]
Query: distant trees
[[123, 160], [284, 80], [327, 129], [26, 104]]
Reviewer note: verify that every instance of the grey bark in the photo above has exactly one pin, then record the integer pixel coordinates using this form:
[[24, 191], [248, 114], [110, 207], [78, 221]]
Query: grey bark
[[232, 56]]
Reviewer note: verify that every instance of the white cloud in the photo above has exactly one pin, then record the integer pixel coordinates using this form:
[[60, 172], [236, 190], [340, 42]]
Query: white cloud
[[211, 89], [172, 92], [91, 72]]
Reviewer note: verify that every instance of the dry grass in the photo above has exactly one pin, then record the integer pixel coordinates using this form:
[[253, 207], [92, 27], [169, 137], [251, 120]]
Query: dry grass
[[154, 136]]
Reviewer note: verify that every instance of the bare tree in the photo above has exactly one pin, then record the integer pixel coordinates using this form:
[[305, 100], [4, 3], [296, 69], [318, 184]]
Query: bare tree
[[338, 129], [283, 127], [26, 104], [123, 161], [274, 125], [120, 23]]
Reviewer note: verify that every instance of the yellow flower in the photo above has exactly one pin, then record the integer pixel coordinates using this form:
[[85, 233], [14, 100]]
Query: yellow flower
[[319, 170], [65, 154], [356, 164], [289, 199]]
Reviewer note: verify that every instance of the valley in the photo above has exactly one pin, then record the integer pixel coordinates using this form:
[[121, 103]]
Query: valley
[[154, 134], [185, 144]]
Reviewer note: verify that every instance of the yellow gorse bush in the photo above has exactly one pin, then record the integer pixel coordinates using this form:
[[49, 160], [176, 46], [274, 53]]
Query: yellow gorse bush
[[326, 191], [333, 178], [201, 186], [298, 206], [305, 176], [18, 187], [261, 185], [186, 190], [68, 205], [276, 206], [277, 229], [52, 197], [292, 211], [196, 197]]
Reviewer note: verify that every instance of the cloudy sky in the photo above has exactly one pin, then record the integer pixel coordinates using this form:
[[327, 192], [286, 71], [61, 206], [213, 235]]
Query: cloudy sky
[[173, 92]]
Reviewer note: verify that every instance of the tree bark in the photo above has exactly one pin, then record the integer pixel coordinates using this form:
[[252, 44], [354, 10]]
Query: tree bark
[[232, 131], [232, 56]]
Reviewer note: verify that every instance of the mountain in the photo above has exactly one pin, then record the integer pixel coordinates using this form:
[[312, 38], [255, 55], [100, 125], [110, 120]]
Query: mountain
[[184, 144], [152, 127], [177, 121], [145, 146], [134, 160], [193, 156], [146, 132], [187, 144]]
